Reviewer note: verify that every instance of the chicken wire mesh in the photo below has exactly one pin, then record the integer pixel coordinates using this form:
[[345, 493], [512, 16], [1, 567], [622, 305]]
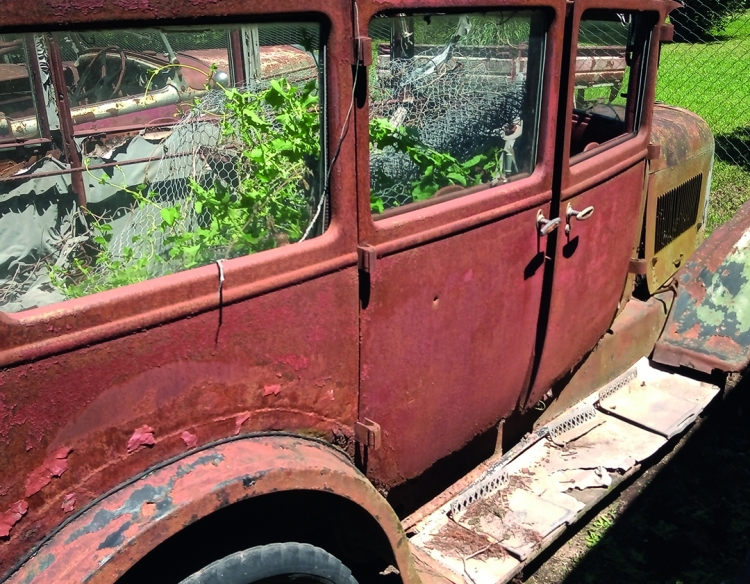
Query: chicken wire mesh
[[707, 70], [458, 81], [132, 178], [196, 151]]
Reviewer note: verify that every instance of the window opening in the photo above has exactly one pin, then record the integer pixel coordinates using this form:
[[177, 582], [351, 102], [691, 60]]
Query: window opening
[[454, 104], [609, 78], [197, 144]]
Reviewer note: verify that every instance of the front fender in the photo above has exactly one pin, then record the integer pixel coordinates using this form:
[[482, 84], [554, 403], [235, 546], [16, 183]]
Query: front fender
[[102, 542], [709, 326]]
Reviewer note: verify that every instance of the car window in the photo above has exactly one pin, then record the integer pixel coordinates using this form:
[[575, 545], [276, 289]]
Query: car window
[[192, 145], [18, 116], [453, 103], [609, 77]]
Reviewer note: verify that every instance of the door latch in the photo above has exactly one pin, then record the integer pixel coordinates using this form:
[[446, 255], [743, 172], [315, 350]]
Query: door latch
[[571, 214], [546, 226]]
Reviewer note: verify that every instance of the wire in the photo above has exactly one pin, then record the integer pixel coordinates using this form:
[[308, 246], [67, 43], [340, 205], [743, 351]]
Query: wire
[[342, 134]]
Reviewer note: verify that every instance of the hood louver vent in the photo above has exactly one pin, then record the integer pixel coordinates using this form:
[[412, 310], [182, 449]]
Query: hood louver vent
[[677, 211]]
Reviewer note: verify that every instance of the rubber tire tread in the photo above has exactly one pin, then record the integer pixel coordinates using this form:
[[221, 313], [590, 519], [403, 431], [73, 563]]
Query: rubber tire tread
[[270, 560]]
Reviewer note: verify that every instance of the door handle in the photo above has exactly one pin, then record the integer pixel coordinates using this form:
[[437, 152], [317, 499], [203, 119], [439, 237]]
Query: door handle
[[546, 226], [571, 214]]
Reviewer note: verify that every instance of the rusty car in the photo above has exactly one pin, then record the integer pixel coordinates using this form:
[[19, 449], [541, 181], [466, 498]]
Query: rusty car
[[348, 291]]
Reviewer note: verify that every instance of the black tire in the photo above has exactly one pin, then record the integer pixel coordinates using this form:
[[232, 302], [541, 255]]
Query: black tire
[[275, 563]]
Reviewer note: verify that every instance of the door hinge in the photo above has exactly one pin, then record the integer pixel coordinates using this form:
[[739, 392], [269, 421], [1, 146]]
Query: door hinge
[[666, 33], [654, 151], [366, 256], [362, 51], [368, 433]]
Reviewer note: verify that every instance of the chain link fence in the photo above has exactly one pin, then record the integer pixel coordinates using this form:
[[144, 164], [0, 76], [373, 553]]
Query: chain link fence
[[707, 70]]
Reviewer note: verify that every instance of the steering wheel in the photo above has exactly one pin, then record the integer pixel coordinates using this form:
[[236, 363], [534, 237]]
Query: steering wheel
[[105, 87]]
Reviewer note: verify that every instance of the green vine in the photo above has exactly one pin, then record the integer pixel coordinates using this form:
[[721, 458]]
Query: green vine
[[272, 139], [436, 169]]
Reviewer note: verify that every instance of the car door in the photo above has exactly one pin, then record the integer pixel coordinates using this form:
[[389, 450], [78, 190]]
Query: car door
[[613, 57], [454, 180]]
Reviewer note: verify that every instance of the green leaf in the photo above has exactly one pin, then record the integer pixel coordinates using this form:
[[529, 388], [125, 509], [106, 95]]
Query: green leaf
[[459, 178], [170, 215], [473, 161]]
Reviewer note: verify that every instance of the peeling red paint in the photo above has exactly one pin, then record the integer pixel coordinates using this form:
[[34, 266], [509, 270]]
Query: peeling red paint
[[296, 361], [143, 436], [53, 466], [190, 440], [69, 503], [241, 419], [140, 5], [12, 516], [274, 389]]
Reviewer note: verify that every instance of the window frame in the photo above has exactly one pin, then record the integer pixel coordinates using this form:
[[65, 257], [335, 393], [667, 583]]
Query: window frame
[[480, 204], [72, 323], [624, 151]]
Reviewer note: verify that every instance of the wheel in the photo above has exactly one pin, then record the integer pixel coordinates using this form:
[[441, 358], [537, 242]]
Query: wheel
[[105, 87], [275, 563]]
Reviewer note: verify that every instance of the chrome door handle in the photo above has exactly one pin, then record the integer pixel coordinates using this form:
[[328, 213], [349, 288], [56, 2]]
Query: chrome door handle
[[546, 226], [571, 214]]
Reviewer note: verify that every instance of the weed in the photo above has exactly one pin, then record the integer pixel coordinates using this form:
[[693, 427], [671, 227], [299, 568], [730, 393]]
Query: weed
[[599, 527]]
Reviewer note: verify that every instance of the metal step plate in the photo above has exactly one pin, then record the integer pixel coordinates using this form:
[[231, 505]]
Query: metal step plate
[[660, 401], [490, 530]]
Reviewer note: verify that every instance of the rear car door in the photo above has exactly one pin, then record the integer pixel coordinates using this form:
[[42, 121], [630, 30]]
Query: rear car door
[[454, 150]]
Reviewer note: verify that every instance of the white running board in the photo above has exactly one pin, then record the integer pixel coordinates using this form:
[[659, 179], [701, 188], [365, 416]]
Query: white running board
[[525, 500]]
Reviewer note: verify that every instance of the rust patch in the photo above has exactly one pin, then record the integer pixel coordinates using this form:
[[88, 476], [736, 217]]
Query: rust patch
[[143, 436], [53, 466], [69, 503], [239, 420], [12, 516], [190, 440]]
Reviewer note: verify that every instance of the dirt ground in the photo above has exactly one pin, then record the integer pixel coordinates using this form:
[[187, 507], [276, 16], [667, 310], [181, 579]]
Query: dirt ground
[[684, 520]]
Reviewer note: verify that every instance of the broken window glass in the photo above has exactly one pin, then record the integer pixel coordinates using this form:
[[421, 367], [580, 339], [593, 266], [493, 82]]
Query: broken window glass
[[453, 103]]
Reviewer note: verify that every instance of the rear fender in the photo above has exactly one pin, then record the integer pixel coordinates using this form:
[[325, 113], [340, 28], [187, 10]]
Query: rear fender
[[106, 539], [708, 328]]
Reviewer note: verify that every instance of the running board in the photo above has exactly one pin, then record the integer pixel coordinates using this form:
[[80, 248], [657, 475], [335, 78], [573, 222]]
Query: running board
[[520, 503]]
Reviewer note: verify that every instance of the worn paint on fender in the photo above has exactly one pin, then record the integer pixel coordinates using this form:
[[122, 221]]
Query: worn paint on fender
[[709, 327]]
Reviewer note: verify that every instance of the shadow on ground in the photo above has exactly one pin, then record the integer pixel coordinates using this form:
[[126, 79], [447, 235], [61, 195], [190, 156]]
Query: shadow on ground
[[687, 521], [734, 147]]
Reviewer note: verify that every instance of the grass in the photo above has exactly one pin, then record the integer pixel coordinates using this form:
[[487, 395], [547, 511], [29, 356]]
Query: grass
[[599, 527], [713, 80]]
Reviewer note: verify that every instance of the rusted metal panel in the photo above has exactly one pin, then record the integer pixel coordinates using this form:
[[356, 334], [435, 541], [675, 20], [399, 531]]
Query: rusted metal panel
[[709, 326], [447, 341], [687, 154], [632, 336], [102, 543], [590, 270], [282, 361]]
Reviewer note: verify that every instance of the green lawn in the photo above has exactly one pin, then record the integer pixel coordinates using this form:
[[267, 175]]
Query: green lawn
[[713, 80]]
